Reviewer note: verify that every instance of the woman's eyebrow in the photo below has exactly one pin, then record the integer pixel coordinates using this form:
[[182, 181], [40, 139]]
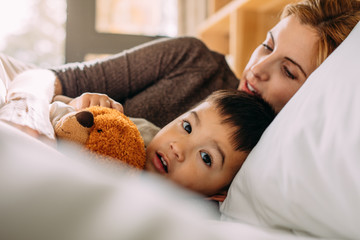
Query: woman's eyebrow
[[287, 58], [272, 37], [298, 65]]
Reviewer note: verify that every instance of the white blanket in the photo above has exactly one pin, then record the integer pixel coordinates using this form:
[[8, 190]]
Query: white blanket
[[47, 195]]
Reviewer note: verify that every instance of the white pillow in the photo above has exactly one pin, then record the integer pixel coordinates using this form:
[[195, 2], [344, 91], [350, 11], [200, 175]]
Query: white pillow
[[304, 174]]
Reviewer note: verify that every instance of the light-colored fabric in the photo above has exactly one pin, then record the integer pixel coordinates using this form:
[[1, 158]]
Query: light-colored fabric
[[9, 69], [27, 100], [58, 110], [47, 195], [4, 80], [304, 174], [25, 93]]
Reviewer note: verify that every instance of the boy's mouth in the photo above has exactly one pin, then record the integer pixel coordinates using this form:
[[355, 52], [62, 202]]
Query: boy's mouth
[[163, 162]]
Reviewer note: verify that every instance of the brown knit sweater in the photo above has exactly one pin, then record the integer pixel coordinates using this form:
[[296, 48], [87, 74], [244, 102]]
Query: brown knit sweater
[[157, 81]]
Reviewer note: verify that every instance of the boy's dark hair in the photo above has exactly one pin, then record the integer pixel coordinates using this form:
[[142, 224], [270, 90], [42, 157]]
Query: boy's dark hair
[[250, 115]]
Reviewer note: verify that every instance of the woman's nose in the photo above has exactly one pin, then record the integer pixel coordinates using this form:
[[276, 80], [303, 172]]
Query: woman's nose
[[261, 69], [177, 151]]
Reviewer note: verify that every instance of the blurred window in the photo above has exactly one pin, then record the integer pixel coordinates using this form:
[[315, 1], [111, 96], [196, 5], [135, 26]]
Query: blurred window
[[137, 17], [33, 30]]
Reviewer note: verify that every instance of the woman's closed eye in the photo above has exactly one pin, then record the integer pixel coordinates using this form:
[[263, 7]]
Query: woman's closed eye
[[267, 47], [187, 126], [285, 69], [287, 73], [206, 158]]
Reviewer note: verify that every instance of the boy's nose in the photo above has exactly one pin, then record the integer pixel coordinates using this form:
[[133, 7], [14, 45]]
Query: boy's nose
[[177, 151]]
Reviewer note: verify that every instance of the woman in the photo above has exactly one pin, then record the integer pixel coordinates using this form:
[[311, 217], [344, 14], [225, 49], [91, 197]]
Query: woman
[[162, 79]]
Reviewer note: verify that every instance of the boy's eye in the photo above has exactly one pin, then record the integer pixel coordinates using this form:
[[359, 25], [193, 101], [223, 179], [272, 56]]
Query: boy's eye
[[187, 127], [206, 158]]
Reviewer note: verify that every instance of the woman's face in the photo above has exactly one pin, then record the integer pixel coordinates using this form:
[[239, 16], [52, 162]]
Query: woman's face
[[282, 63]]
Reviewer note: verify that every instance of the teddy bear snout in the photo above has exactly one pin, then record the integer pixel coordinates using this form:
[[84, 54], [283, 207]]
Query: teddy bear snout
[[85, 118]]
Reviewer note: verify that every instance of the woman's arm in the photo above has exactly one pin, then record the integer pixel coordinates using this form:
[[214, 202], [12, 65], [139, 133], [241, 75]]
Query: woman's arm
[[122, 75], [156, 81]]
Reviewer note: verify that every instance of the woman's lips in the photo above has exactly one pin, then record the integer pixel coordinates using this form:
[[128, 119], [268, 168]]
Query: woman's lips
[[247, 87], [160, 163], [251, 88]]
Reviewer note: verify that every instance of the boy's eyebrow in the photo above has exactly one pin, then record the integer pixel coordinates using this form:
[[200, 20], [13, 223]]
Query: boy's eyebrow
[[196, 116], [221, 153], [287, 58], [198, 122]]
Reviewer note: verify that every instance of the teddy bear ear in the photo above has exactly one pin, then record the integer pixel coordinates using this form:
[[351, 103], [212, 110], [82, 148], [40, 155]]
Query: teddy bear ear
[[85, 118]]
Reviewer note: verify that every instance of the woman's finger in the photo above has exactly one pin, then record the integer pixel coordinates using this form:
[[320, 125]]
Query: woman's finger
[[105, 102], [95, 99], [117, 106]]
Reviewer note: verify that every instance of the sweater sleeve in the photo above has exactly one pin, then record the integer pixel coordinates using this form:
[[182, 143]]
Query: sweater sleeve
[[122, 75]]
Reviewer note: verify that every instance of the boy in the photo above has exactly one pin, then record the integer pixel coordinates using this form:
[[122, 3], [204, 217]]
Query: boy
[[201, 150], [204, 148]]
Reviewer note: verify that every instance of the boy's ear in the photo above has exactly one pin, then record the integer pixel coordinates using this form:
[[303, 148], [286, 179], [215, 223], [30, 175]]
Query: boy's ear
[[219, 197]]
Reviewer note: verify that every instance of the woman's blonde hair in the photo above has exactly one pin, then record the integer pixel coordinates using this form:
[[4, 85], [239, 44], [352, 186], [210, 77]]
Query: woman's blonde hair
[[332, 19]]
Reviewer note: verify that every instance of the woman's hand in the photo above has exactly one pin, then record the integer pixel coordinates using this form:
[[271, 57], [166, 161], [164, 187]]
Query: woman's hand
[[95, 99]]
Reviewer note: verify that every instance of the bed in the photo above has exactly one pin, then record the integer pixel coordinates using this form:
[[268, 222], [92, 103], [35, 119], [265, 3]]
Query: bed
[[301, 181]]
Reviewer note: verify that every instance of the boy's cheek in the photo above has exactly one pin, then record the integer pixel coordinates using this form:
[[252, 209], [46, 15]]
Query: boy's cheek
[[148, 166]]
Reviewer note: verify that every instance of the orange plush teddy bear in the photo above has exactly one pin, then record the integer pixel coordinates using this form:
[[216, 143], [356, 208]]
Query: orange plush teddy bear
[[106, 132]]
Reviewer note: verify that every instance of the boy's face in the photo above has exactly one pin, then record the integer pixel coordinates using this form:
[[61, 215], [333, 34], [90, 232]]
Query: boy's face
[[195, 151]]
